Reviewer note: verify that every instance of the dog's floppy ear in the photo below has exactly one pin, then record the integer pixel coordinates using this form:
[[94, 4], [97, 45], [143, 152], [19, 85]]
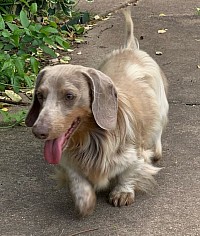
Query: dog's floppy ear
[[34, 110], [104, 99]]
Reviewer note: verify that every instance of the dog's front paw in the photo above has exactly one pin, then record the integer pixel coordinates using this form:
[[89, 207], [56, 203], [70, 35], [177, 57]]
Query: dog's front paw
[[85, 202], [121, 198]]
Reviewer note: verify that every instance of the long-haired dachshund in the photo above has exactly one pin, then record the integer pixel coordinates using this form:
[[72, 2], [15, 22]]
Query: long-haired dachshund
[[102, 126]]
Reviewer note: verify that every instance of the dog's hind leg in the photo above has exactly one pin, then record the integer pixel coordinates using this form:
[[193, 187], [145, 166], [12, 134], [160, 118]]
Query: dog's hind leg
[[123, 193], [139, 176]]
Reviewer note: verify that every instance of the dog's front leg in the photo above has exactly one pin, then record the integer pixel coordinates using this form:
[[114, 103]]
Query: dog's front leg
[[82, 192]]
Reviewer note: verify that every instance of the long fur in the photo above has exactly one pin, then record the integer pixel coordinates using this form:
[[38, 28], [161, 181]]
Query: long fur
[[95, 155]]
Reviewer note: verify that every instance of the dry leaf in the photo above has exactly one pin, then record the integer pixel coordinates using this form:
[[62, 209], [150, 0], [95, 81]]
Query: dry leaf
[[96, 17], [61, 48], [65, 59], [79, 40], [79, 53], [106, 18], [70, 50], [30, 92], [88, 27], [162, 14], [14, 97], [2, 97], [4, 109], [4, 105], [162, 31], [159, 53], [198, 66]]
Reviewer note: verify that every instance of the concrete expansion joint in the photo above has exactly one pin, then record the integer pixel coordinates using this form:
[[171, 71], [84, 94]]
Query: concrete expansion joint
[[124, 5], [192, 104]]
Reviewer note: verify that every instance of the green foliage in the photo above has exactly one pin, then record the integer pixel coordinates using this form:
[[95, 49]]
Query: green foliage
[[31, 31], [198, 11], [12, 119], [40, 7], [22, 43], [14, 71]]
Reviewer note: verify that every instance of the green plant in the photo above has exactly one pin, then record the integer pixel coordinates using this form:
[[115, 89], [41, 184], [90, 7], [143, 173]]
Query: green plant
[[15, 71], [10, 120], [198, 11], [42, 7], [22, 43]]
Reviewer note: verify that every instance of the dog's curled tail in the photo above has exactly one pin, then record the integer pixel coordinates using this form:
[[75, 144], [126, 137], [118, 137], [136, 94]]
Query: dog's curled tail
[[130, 41]]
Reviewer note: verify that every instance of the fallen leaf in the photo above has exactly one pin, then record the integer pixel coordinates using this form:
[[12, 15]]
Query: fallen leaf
[[88, 27], [14, 97], [162, 31], [162, 14], [79, 40], [4, 109], [159, 53], [65, 59], [198, 66], [107, 17], [96, 17], [30, 92], [70, 50], [61, 48], [79, 53]]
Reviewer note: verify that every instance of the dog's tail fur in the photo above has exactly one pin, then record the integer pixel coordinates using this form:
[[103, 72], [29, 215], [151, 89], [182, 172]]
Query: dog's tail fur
[[130, 41]]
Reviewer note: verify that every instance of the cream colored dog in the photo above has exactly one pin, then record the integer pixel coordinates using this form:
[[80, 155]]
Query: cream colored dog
[[103, 126]]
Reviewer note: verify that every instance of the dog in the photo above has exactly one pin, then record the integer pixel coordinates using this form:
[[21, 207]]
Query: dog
[[103, 127]]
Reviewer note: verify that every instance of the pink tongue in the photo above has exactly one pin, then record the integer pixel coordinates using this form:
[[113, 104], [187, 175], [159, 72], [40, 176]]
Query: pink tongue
[[53, 149]]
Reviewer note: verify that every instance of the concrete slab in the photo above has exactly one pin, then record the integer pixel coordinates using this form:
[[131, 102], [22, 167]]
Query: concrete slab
[[30, 205]]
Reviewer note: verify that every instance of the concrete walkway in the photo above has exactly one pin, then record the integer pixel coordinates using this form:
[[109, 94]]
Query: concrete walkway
[[30, 205]]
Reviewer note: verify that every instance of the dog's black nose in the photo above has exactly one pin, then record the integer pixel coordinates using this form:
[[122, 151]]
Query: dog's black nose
[[40, 131]]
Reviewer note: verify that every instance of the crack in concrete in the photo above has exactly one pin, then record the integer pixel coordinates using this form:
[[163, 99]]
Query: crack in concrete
[[185, 103], [127, 4], [124, 5], [107, 28], [192, 104]]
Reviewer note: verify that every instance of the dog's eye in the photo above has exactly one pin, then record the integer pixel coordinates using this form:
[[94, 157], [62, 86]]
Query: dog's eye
[[69, 96]]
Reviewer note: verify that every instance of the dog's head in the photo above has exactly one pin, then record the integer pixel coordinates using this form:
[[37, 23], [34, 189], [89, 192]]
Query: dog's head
[[66, 94]]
